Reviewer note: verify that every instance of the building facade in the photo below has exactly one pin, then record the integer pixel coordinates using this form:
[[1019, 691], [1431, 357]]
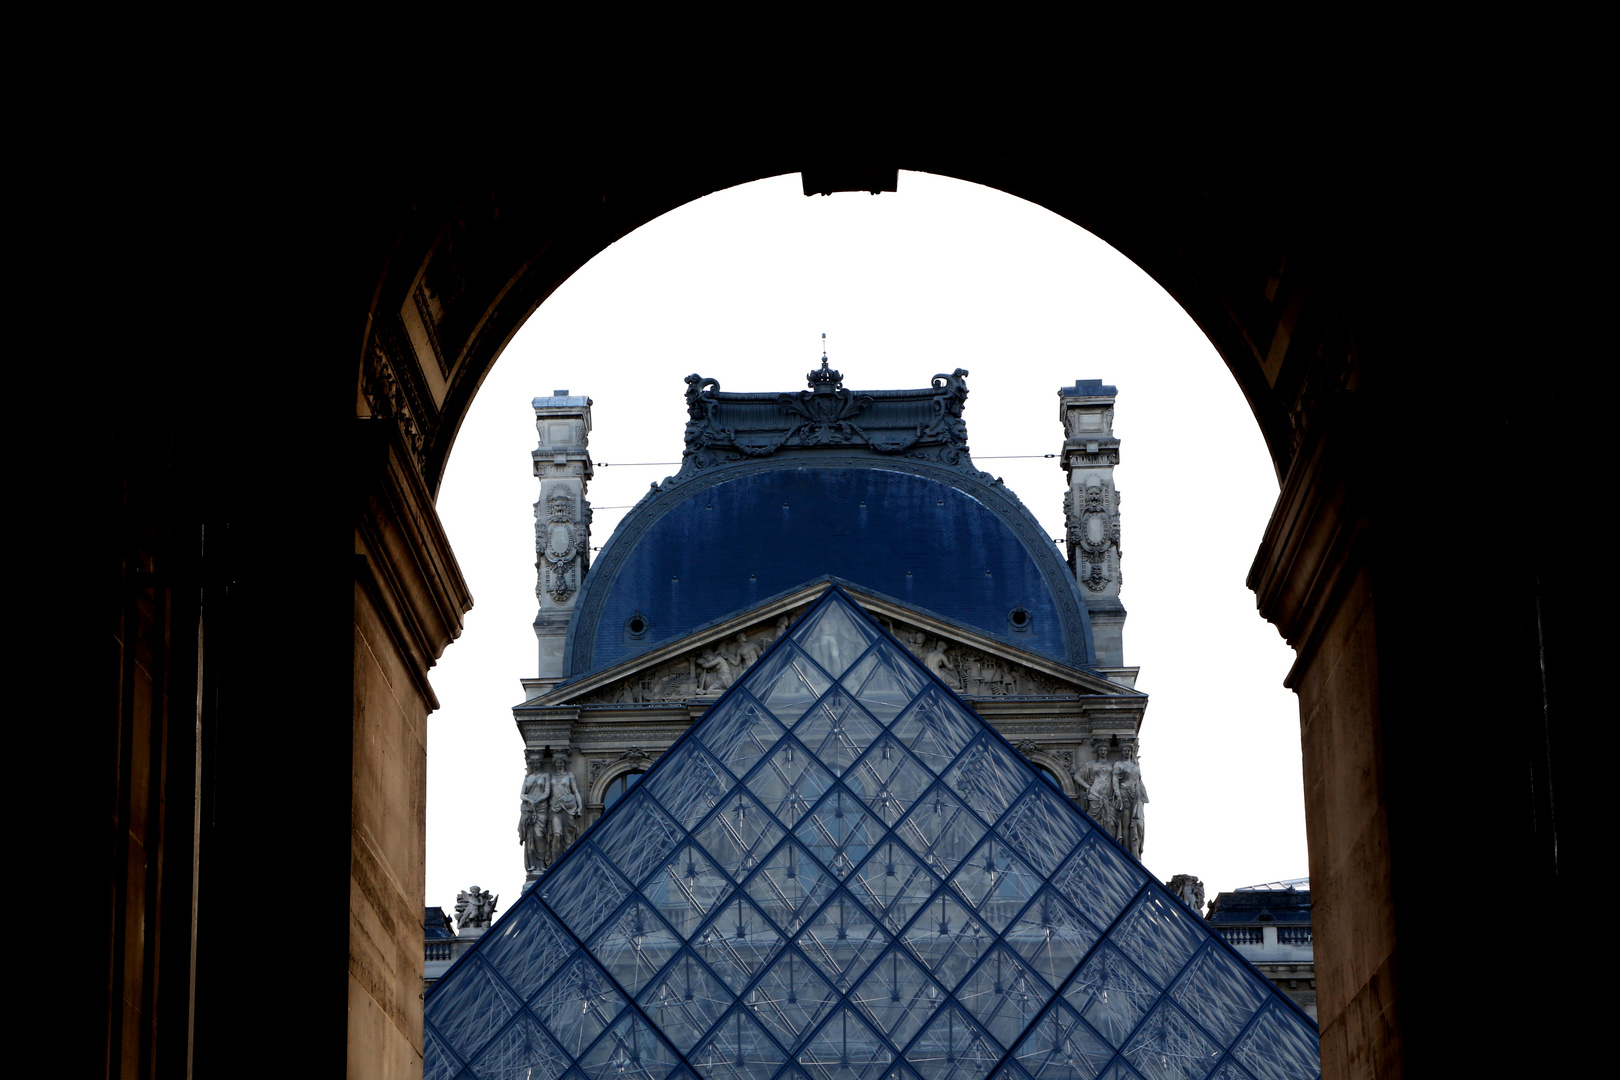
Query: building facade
[[1270, 926], [779, 494]]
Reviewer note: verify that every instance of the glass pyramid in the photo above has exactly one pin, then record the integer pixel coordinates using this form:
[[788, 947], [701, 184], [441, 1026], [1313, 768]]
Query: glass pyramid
[[841, 873]]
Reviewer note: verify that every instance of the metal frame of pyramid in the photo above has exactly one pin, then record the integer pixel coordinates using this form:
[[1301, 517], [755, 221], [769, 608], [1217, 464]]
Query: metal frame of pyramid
[[841, 873]]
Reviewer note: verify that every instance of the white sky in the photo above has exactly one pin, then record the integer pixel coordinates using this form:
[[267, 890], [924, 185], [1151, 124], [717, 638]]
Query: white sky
[[943, 274]]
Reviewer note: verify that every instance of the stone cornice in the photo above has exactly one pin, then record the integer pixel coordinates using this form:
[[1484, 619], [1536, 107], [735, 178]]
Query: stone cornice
[[1090, 685], [1313, 545], [402, 557]]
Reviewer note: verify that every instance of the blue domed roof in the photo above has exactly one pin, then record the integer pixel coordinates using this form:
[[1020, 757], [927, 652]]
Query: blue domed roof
[[777, 490]]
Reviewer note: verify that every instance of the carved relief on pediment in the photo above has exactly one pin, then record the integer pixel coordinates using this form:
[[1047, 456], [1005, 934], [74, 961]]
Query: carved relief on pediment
[[708, 671], [701, 673], [972, 672]]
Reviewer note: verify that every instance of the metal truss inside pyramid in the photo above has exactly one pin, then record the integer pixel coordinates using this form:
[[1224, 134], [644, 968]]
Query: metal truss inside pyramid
[[841, 873]]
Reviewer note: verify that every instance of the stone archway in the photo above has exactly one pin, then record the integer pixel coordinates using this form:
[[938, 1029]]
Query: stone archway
[[1299, 285]]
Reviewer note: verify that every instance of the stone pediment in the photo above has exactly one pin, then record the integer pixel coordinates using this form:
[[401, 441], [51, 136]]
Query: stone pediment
[[704, 664]]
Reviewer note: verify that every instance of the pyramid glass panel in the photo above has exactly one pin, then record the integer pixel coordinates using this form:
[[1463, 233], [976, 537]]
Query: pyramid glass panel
[[789, 886], [1159, 934], [1003, 994], [1169, 1046], [840, 832], [737, 1049], [790, 782], [953, 1047], [522, 1052], [790, 998], [528, 947], [941, 831], [737, 942], [740, 732], [842, 939], [935, 727], [835, 635], [1110, 994], [578, 1005], [635, 945], [739, 834], [841, 873], [888, 779], [837, 731], [687, 888], [885, 680], [685, 1001], [987, 778], [1219, 993], [629, 1050], [787, 682], [893, 884], [472, 1010], [1062, 1047], [846, 1048], [689, 782], [899, 996], [995, 882], [947, 938], [639, 838], [1052, 936], [1044, 828], [1281, 1045]]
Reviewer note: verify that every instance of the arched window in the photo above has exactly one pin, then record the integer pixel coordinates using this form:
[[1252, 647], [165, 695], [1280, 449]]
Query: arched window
[[618, 789], [1049, 776]]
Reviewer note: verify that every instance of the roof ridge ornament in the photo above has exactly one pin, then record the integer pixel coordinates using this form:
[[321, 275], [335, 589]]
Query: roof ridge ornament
[[825, 378]]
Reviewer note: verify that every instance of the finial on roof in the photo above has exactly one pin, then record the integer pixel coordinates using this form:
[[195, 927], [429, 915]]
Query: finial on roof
[[826, 377]]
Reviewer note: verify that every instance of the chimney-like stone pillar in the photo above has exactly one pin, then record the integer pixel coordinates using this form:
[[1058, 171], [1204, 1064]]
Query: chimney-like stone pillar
[[562, 519], [1091, 510]]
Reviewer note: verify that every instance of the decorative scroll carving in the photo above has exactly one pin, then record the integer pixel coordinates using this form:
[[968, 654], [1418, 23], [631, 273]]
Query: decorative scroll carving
[[1028, 747], [1093, 529], [824, 416], [560, 540], [388, 397]]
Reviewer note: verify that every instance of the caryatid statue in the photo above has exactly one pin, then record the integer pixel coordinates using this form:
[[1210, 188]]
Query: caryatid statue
[[1096, 782], [564, 806], [532, 817], [1130, 798]]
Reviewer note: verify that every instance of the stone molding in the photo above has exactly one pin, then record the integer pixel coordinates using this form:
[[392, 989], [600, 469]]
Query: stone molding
[[1086, 684], [402, 555], [1313, 546]]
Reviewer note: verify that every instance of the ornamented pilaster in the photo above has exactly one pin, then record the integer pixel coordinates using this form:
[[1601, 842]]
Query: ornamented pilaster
[[1091, 510], [562, 519]]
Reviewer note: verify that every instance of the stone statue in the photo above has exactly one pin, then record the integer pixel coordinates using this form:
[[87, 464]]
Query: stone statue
[[938, 661], [716, 665], [474, 908], [564, 805], [1095, 780], [1130, 798], [1190, 890], [747, 652], [532, 817]]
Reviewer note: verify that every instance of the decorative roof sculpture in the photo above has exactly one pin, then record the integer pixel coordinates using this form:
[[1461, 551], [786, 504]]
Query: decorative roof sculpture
[[841, 873]]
